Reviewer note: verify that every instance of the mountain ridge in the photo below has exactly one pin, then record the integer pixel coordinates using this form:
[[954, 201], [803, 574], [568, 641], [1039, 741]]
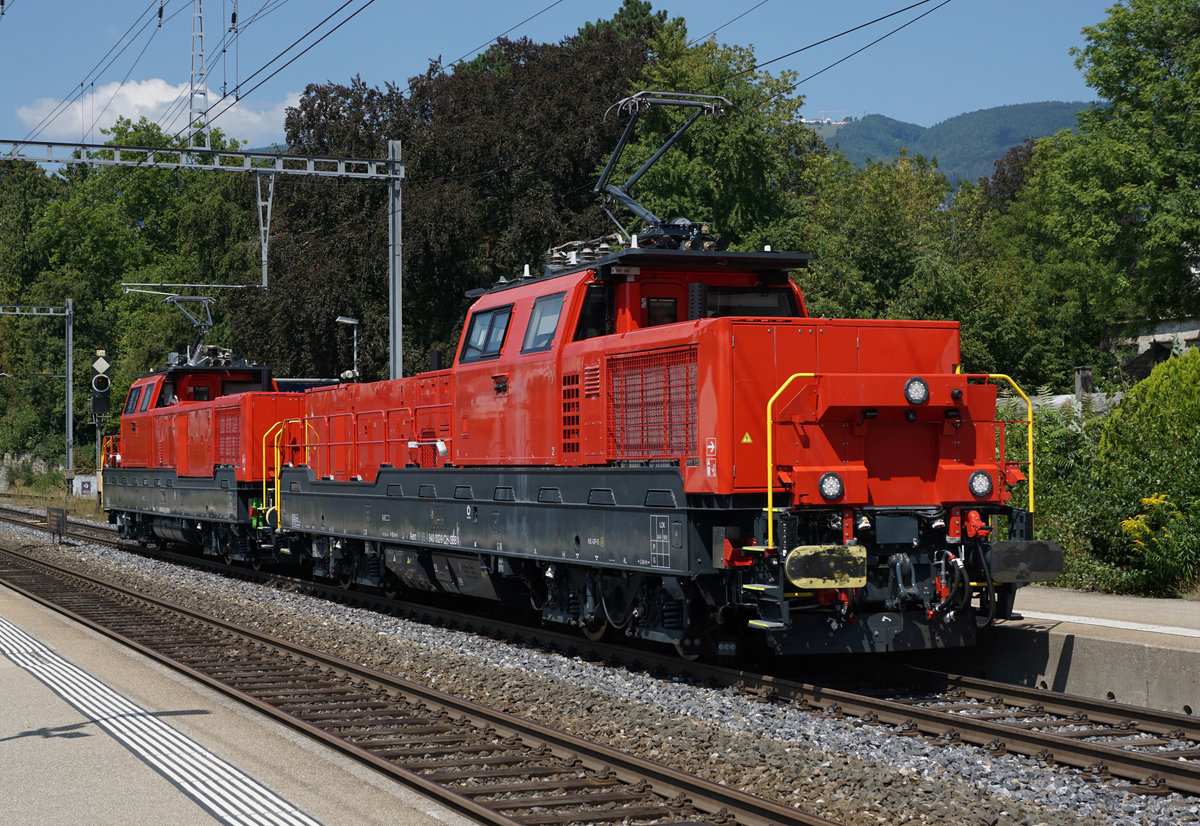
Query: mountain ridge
[[966, 146]]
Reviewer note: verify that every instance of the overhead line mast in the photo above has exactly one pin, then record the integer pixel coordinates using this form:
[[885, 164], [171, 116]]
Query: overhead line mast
[[197, 87]]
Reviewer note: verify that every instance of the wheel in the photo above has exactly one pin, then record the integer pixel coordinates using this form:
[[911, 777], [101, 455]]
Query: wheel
[[686, 655], [595, 630], [391, 585]]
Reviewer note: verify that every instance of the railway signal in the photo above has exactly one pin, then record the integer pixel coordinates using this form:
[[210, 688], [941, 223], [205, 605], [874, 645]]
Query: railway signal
[[101, 386]]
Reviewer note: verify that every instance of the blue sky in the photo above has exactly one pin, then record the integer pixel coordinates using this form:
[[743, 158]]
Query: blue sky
[[966, 55]]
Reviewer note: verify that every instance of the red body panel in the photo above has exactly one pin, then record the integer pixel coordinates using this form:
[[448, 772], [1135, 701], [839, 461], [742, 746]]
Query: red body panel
[[693, 393], [353, 429], [193, 437]]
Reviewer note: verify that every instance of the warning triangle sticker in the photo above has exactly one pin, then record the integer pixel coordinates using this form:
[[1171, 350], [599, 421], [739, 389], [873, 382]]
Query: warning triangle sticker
[[746, 440]]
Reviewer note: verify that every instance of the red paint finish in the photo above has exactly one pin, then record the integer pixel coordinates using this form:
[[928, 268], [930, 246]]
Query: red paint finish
[[692, 392]]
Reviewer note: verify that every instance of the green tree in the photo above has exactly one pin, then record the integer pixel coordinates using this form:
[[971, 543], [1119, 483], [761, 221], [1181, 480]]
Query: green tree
[[500, 157], [81, 234], [741, 172], [1124, 186]]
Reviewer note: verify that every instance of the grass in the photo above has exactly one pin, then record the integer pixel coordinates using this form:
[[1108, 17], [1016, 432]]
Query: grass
[[81, 507]]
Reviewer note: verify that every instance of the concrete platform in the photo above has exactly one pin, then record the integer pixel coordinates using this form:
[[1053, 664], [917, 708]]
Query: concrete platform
[[1145, 652], [92, 733]]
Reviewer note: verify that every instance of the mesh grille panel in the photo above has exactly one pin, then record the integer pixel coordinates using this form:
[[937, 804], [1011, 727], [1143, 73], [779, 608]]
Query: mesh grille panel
[[570, 413], [227, 436], [652, 405]]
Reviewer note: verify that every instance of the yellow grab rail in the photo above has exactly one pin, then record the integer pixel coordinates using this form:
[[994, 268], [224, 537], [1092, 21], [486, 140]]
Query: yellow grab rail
[[278, 429], [771, 455], [279, 425], [1028, 425], [771, 444]]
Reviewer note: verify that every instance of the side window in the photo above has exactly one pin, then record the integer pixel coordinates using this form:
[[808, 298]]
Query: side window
[[543, 321], [660, 311], [131, 403], [200, 393], [486, 335], [595, 318]]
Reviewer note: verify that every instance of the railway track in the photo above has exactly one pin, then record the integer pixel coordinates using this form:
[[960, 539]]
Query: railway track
[[487, 765], [1141, 750]]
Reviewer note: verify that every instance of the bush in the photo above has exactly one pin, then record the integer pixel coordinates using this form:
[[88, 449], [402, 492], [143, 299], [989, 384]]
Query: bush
[[1119, 492]]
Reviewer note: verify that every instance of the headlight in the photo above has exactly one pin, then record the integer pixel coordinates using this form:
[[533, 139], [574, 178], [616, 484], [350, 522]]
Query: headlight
[[980, 484], [916, 391], [831, 487]]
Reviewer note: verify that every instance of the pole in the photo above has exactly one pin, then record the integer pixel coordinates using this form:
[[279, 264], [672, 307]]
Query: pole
[[70, 402], [395, 271]]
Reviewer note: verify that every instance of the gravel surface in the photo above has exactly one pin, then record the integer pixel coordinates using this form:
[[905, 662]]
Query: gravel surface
[[850, 773]]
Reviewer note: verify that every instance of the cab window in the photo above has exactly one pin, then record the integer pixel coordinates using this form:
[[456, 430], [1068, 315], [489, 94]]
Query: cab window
[[596, 316], [660, 311], [131, 402], [485, 336], [147, 392], [768, 303], [543, 322]]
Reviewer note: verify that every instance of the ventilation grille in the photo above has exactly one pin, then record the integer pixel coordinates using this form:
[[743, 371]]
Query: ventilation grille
[[570, 414], [227, 436], [591, 381], [652, 405]]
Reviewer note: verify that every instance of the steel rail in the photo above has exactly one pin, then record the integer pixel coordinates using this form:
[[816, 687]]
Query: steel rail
[[1143, 767], [703, 794]]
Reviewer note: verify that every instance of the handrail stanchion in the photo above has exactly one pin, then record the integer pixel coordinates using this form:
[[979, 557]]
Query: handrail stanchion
[[267, 435], [1028, 426], [771, 455]]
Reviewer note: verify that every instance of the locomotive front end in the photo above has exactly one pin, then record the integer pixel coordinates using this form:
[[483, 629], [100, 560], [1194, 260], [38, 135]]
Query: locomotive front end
[[889, 521]]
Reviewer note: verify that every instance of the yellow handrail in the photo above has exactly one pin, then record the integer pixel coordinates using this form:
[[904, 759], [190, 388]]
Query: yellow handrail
[[277, 426], [1028, 425], [771, 455]]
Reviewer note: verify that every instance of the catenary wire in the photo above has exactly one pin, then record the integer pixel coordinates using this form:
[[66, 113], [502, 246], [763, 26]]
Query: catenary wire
[[727, 23], [121, 85], [506, 31], [175, 110], [305, 51], [54, 113], [795, 85]]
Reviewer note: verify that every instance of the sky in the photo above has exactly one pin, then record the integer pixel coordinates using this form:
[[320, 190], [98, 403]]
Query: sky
[[108, 59]]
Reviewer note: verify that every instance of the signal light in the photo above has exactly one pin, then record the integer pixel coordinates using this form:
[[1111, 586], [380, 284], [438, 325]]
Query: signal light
[[101, 385]]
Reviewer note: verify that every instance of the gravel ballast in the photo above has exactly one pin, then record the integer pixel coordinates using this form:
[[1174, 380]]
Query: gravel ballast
[[854, 774]]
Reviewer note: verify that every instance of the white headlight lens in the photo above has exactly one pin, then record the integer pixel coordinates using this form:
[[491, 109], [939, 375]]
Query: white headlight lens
[[916, 391], [831, 486], [981, 484]]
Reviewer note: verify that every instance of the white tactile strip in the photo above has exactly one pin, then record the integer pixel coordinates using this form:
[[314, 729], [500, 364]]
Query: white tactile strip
[[1110, 623], [218, 787]]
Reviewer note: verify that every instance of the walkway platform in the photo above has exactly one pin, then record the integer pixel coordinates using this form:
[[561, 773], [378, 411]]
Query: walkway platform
[[1145, 652], [93, 733]]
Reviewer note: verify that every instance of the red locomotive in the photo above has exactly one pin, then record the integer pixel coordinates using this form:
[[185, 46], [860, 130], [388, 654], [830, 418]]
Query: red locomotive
[[655, 439]]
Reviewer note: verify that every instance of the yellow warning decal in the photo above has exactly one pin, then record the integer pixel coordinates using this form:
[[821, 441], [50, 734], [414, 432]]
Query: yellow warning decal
[[746, 440]]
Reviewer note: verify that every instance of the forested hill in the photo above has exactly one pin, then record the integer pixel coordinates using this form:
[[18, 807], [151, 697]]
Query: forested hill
[[966, 146]]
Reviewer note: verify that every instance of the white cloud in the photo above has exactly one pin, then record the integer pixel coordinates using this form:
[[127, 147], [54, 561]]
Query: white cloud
[[251, 121]]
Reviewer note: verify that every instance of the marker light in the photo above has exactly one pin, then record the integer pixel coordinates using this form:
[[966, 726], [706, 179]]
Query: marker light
[[831, 487], [916, 391], [980, 484]]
